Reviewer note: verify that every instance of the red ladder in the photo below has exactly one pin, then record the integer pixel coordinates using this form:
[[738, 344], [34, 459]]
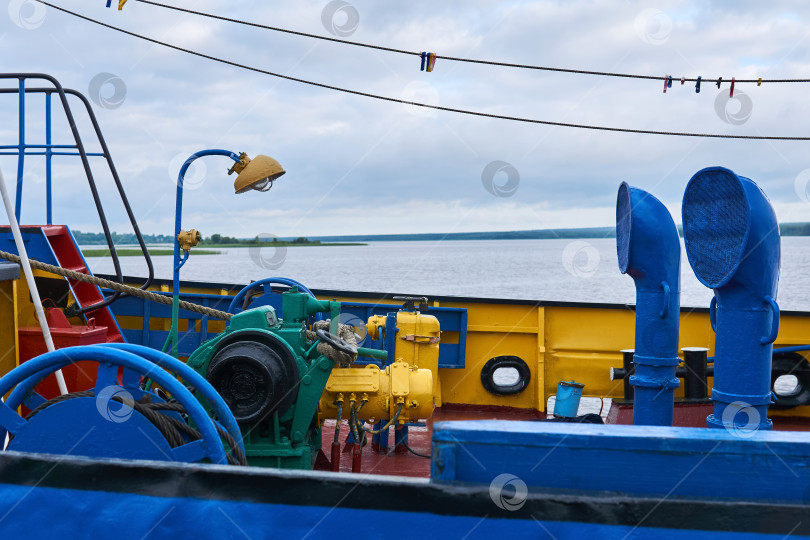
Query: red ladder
[[70, 257]]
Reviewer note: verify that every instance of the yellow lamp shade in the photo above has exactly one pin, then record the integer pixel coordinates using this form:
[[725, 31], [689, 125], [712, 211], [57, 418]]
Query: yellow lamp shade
[[257, 173]]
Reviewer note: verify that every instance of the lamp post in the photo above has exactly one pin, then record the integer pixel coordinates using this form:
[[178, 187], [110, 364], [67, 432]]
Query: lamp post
[[252, 174]]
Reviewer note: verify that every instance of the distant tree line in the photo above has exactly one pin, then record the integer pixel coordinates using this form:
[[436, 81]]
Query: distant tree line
[[84, 238], [785, 229], [794, 229], [218, 239]]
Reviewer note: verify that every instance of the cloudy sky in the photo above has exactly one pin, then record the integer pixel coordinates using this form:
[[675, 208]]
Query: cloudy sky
[[357, 165]]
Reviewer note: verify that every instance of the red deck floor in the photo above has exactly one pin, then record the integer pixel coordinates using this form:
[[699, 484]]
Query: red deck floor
[[402, 462]]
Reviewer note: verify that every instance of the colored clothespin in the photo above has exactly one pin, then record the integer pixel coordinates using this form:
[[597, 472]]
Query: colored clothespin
[[109, 2], [431, 61], [121, 4], [683, 80], [669, 81], [423, 61], [719, 82], [666, 80], [697, 85], [759, 81], [731, 92]]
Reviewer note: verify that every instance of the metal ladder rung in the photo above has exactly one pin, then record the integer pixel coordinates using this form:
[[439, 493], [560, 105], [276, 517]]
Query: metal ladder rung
[[52, 230]]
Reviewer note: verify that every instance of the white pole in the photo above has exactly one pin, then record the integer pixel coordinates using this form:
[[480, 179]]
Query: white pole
[[29, 277]]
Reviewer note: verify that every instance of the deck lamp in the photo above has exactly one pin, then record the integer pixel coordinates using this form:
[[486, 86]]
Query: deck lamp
[[252, 174], [257, 173]]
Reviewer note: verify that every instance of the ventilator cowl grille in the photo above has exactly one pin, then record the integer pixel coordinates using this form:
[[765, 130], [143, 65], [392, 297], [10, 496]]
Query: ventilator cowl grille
[[715, 225], [623, 224]]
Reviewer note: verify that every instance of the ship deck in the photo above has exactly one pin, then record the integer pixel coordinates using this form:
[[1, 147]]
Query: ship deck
[[401, 462]]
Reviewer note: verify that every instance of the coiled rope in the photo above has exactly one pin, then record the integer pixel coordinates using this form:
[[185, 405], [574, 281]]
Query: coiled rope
[[172, 429], [114, 285]]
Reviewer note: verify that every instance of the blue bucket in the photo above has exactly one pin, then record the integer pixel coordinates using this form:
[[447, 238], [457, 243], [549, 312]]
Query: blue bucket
[[568, 396]]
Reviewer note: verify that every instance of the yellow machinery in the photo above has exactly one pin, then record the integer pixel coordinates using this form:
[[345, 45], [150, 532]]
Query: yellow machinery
[[404, 391]]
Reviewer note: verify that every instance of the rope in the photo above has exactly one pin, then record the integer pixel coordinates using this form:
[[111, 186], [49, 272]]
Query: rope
[[425, 105], [134, 291], [454, 58], [172, 429], [346, 332]]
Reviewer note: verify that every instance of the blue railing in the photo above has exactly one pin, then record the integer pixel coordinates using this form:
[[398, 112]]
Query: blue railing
[[451, 320], [23, 149]]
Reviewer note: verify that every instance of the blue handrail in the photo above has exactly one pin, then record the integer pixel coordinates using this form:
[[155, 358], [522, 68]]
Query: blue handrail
[[240, 296]]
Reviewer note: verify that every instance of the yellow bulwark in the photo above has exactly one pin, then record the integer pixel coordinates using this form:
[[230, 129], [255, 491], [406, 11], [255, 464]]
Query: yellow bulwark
[[558, 341], [564, 341]]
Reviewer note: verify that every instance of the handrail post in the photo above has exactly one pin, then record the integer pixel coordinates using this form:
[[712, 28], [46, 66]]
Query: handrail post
[[21, 148], [48, 156]]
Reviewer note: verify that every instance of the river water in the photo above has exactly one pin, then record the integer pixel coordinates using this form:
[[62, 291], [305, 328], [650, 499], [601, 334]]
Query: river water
[[566, 270]]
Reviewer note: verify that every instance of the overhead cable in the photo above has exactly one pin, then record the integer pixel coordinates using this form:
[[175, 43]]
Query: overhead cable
[[759, 81], [425, 105]]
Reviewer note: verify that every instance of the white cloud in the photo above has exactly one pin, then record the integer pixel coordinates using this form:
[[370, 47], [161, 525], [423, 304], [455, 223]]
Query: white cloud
[[357, 165]]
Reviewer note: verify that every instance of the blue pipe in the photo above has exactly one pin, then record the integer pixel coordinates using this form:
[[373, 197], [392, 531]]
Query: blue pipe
[[797, 348], [21, 150], [178, 211], [44, 153], [781, 350], [48, 162], [649, 251], [391, 337], [732, 241], [107, 358], [183, 261]]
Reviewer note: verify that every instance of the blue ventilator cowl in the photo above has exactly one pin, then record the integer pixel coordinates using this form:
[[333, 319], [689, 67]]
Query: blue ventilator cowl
[[649, 251], [732, 242]]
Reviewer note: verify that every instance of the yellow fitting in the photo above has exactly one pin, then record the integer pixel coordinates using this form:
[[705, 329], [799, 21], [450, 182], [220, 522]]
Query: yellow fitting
[[375, 324], [240, 165], [188, 239]]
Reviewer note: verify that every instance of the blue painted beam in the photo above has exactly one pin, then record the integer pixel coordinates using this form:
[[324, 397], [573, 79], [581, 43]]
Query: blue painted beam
[[166, 500], [654, 461]]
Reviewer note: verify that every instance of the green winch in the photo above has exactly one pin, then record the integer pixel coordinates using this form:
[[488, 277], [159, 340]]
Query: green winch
[[272, 378]]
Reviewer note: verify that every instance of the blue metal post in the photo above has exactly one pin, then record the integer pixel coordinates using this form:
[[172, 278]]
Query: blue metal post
[[379, 441], [21, 149], [732, 241], [177, 261], [649, 251], [48, 155], [391, 337]]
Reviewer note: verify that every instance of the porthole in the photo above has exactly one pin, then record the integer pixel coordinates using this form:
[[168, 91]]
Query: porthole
[[790, 381], [786, 386], [505, 375]]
